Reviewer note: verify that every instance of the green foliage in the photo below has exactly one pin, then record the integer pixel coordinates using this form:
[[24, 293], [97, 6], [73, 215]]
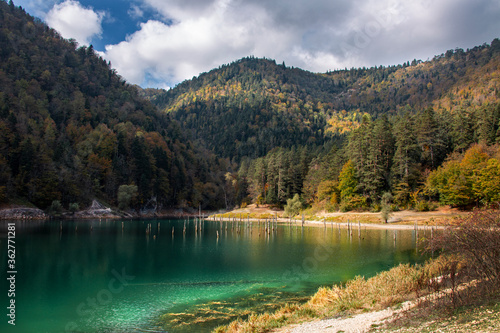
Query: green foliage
[[126, 196], [386, 210], [348, 182], [56, 207], [71, 129], [293, 206], [355, 202], [251, 106], [469, 178], [74, 207], [274, 178]]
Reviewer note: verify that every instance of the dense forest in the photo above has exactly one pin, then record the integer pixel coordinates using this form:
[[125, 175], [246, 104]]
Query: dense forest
[[249, 107], [416, 134], [72, 130], [343, 138]]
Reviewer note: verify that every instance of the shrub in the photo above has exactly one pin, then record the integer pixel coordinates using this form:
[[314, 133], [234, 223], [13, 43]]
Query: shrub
[[293, 206], [74, 207], [476, 239], [56, 207], [126, 196], [355, 202]]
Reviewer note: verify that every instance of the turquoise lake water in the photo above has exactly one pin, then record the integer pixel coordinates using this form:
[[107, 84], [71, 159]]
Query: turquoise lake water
[[134, 276]]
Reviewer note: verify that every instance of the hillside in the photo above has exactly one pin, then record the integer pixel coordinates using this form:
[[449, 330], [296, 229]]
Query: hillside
[[251, 106], [72, 130], [342, 139]]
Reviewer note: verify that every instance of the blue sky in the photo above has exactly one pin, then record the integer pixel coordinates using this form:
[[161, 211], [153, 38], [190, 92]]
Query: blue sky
[[159, 43]]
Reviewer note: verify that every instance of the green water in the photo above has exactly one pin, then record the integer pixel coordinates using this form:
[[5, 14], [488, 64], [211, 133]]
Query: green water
[[114, 276]]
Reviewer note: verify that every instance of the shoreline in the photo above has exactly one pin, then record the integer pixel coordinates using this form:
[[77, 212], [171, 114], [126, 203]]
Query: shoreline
[[329, 224]]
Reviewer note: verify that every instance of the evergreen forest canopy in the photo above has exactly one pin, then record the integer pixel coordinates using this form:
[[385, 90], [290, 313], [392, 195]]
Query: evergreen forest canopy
[[251, 131], [342, 139], [72, 130]]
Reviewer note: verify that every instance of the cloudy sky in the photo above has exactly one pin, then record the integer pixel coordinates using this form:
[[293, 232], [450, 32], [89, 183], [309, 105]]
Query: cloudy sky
[[159, 43]]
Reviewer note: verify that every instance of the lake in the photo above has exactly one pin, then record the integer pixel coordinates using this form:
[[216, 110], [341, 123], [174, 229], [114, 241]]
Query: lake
[[135, 276]]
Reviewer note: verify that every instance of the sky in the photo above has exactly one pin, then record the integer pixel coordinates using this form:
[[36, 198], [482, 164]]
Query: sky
[[160, 43]]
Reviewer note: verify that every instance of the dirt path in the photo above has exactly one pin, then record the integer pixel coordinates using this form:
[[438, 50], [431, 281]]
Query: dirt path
[[355, 324]]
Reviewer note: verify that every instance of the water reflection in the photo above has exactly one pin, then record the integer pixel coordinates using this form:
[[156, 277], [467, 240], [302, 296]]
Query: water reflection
[[182, 266]]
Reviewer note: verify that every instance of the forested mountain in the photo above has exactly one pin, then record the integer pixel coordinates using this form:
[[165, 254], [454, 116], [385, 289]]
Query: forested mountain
[[72, 130], [251, 106], [344, 137]]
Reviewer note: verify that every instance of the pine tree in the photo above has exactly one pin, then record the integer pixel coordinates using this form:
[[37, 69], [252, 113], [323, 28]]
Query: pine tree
[[376, 175], [430, 138], [406, 152]]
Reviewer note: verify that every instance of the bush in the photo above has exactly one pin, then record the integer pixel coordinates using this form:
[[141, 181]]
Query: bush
[[56, 207], [476, 239], [422, 206], [293, 206], [386, 209], [355, 202], [74, 207], [126, 196]]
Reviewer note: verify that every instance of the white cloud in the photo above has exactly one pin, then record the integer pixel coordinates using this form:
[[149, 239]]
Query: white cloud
[[72, 20], [135, 12], [197, 43], [193, 36]]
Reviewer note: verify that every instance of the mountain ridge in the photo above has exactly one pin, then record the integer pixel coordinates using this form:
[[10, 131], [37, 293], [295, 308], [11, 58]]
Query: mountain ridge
[[326, 105]]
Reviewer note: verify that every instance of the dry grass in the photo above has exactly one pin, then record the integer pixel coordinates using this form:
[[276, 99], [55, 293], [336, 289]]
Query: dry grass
[[402, 283], [480, 318]]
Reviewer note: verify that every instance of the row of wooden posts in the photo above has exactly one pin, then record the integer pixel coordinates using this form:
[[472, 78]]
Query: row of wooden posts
[[270, 225]]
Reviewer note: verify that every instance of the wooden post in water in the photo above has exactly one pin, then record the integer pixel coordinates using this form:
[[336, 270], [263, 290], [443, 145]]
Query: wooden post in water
[[359, 229], [303, 220], [172, 231]]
